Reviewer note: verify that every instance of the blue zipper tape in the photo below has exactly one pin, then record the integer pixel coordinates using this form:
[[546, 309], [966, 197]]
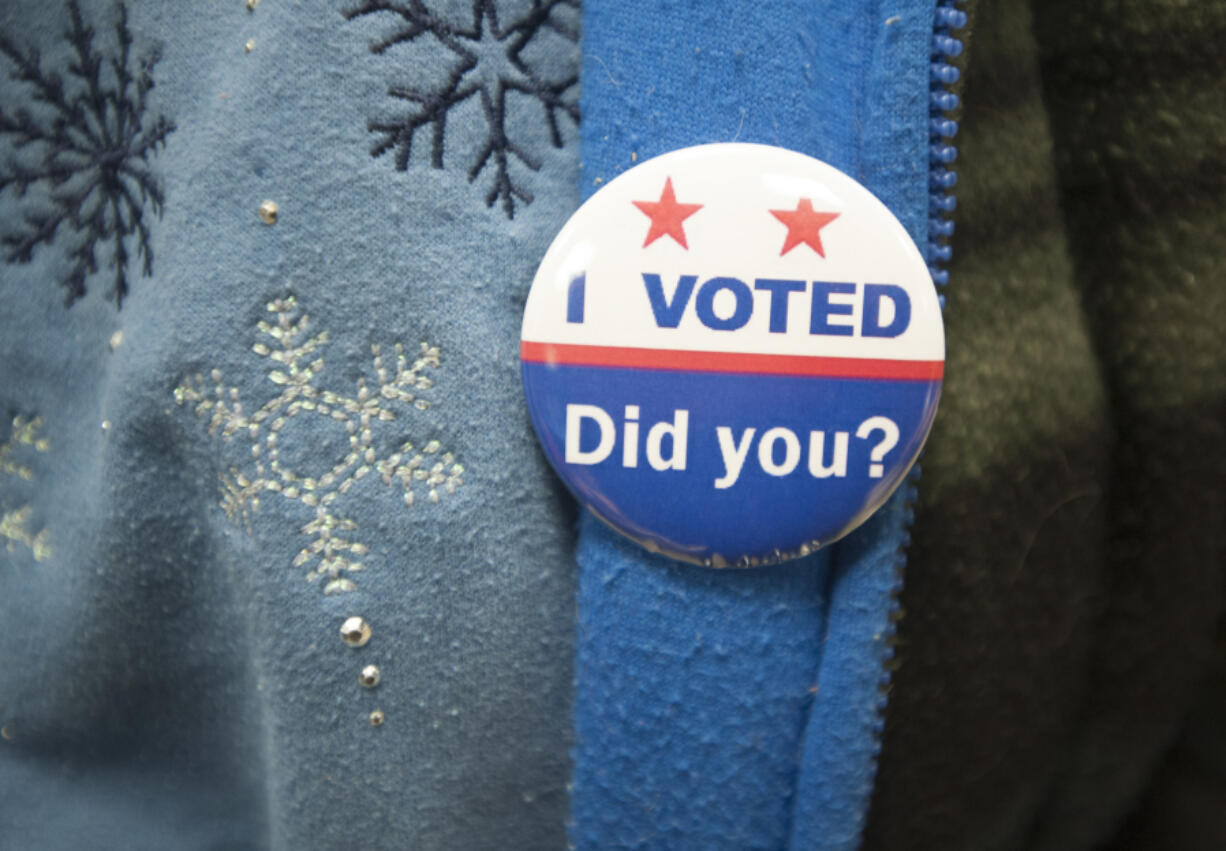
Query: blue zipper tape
[[730, 710]]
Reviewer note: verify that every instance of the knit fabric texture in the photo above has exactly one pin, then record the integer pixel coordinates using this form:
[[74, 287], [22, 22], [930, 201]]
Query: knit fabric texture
[[171, 677]]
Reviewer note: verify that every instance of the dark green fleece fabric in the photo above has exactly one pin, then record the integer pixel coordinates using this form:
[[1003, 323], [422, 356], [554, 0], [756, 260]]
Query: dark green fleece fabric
[[1065, 581]]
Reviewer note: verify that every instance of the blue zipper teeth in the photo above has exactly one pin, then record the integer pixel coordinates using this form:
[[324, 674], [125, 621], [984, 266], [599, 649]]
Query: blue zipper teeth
[[942, 129], [941, 203]]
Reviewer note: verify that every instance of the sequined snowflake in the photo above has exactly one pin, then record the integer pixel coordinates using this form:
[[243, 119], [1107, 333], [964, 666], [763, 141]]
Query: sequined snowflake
[[295, 367], [85, 140], [490, 61], [14, 524]]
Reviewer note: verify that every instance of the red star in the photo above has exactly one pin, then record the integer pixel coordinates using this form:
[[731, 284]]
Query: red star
[[666, 216], [804, 225]]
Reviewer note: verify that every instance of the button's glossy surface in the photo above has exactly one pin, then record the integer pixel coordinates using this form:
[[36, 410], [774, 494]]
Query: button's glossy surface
[[732, 354]]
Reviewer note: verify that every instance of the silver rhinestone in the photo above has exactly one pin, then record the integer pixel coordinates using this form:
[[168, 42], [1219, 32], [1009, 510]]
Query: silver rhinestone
[[250, 45], [268, 212], [251, 4], [355, 632], [376, 718], [370, 676]]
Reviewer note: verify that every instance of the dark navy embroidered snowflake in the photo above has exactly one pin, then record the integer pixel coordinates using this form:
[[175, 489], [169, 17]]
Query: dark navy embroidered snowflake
[[87, 140], [488, 60]]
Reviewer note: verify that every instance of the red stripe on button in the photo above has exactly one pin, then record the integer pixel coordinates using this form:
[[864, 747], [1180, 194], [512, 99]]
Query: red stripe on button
[[732, 362]]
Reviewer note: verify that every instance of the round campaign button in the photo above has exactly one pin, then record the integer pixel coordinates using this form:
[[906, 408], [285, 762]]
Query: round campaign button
[[732, 354]]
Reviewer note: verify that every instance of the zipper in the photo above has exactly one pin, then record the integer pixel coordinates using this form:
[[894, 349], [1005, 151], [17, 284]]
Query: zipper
[[942, 178], [942, 129]]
